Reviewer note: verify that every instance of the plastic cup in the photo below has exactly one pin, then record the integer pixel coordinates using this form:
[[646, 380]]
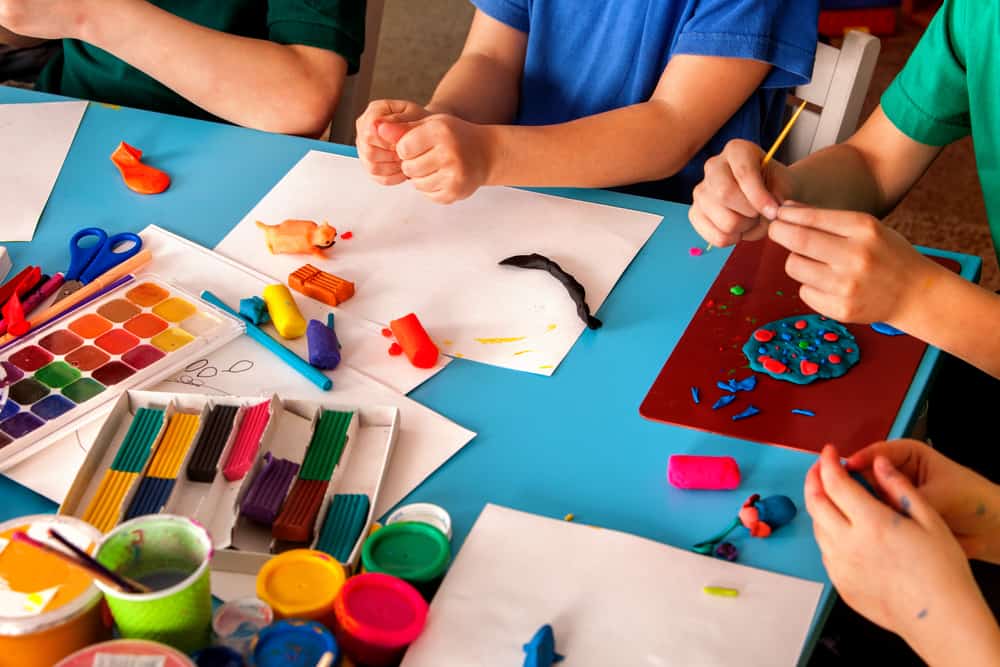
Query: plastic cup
[[127, 652], [377, 617], [237, 623], [171, 555], [301, 583], [414, 551]]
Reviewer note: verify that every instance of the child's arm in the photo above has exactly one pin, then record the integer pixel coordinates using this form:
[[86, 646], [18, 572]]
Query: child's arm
[[968, 502], [483, 86], [292, 89], [900, 566], [448, 158]]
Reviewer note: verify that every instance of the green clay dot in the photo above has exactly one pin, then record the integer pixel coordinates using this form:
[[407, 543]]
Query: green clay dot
[[737, 290], [803, 344], [780, 293], [723, 307]]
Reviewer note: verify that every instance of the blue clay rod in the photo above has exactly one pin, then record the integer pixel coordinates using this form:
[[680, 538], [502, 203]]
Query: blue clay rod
[[804, 413], [297, 364], [749, 412], [329, 320], [724, 401], [695, 395]]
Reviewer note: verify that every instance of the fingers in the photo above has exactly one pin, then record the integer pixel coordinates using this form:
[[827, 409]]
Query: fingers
[[423, 165], [847, 224], [744, 160], [811, 272], [904, 455], [850, 497], [901, 494], [429, 184], [809, 241], [707, 230], [826, 517]]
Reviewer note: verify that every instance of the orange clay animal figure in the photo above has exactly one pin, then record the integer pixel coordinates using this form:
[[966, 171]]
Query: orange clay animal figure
[[298, 236]]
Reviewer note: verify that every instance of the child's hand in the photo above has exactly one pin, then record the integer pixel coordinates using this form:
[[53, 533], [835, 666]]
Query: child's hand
[[852, 267], [736, 194], [900, 568], [444, 156], [377, 154], [968, 502]]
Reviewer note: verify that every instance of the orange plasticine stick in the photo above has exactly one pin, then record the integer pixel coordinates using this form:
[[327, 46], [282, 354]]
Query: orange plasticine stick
[[418, 346], [138, 177]]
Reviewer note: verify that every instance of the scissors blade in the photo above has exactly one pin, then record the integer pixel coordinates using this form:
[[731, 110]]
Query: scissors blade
[[68, 288]]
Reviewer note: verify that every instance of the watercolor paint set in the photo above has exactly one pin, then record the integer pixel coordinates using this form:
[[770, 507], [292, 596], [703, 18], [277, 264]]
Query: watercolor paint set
[[132, 336], [262, 474]]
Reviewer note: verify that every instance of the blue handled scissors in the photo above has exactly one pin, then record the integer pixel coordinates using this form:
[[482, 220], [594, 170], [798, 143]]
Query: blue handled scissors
[[88, 263]]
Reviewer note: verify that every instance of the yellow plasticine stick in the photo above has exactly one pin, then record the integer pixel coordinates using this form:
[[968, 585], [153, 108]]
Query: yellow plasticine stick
[[284, 313], [174, 446], [106, 505]]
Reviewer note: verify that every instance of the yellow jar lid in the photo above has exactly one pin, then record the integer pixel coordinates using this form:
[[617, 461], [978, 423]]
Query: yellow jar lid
[[301, 583]]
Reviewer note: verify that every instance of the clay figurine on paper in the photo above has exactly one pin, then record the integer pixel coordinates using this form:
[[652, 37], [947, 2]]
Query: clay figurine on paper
[[298, 236]]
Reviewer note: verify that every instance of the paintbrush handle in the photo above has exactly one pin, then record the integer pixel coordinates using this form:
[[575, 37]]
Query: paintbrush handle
[[70, 559], [121, 581]]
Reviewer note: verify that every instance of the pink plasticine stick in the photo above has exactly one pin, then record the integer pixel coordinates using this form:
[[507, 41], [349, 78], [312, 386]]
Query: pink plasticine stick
[[718, 473], [247, 443]]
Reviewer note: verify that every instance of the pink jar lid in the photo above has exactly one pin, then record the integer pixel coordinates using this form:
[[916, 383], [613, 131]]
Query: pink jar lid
[[381, 610], [124, 649]]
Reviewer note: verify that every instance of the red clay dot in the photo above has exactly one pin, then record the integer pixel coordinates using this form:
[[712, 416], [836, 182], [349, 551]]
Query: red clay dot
[[849, 350], [808, 367], [387, 333], [833, 359], [800, 324], [763, 335], [347, 236], [395, 349], [830, 336], [775, 366]]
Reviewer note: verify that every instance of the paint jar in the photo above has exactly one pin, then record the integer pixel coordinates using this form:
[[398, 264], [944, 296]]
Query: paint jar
[[377, 617], [301, 583], [294, 644], [428, 513], [127, 652], [66, 614], [237, 623], [416, 552], [171, 555]]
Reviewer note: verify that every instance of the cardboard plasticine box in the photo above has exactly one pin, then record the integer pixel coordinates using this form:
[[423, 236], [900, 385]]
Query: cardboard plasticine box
[[242, 545]]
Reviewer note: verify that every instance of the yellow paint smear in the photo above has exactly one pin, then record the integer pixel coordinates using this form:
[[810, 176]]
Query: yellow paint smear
[[114, 107], [517, 354], [545, 367], [448, 342], [459, 355], [495, 341], [551, 327]]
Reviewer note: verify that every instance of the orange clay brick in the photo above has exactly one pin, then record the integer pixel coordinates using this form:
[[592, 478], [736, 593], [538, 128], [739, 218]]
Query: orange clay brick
[[321, 285]]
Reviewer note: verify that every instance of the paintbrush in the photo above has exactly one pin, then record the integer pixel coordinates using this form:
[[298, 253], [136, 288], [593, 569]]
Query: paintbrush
[[326, 660], [82, 560], [777, 143]]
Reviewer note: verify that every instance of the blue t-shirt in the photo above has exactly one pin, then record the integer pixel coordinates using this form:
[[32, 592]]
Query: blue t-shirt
[[589, 56]]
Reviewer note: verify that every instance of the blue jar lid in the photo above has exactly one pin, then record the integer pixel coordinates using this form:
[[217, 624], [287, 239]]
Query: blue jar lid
[[294, 644]]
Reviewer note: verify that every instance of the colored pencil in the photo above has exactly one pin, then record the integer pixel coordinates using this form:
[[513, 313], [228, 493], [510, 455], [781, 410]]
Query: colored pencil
[[297, 363], [88, 290], [9, 340], [777, 142]]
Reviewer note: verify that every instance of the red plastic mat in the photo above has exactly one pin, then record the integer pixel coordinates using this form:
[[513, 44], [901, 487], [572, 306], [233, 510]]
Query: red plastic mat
[[851, 411]]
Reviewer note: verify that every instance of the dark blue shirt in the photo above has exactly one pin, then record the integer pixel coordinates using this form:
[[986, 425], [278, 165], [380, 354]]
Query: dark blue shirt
[[589, 56]]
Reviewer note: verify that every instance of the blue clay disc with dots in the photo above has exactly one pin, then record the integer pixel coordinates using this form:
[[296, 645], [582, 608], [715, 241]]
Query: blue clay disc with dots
[[802, 349]]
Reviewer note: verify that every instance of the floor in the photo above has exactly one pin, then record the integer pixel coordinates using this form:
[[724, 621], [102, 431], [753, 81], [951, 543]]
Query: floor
[[945, 210]]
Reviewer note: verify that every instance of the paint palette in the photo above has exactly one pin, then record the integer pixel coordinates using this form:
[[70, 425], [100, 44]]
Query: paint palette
[[132, 336], [851, 411], [212, 458]]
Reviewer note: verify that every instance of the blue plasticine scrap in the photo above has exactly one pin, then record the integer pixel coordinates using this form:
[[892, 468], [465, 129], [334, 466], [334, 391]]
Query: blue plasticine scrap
[[695, 395], [724, 401], [749, 412], [254, 309], [541, 650]]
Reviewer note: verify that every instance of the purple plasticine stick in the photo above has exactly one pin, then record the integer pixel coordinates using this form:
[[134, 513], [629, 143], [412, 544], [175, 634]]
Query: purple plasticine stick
[[268, 490]]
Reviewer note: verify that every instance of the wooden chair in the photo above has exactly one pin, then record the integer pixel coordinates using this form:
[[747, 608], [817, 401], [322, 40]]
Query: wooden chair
[[358, 87], [836, 94]]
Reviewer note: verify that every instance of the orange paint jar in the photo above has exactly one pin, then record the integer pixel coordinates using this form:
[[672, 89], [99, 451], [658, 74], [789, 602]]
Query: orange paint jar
[[51, 609]]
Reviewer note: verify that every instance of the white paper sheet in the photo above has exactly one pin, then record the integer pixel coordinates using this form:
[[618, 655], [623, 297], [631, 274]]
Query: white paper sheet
[[426, 439], [611, 598], [34, 142], [409, 254]]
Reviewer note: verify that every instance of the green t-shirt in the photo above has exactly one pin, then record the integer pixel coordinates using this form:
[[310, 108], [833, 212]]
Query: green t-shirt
[[90, 73], [950, 88]]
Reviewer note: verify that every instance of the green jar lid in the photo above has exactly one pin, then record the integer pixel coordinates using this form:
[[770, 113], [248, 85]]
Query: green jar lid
[[409, 550]]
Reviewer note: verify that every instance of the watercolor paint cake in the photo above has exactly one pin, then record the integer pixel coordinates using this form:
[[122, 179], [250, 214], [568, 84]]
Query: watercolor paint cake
[[135, 335]]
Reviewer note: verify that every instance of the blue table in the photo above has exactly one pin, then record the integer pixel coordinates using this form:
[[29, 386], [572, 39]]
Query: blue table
[[570, 443]]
